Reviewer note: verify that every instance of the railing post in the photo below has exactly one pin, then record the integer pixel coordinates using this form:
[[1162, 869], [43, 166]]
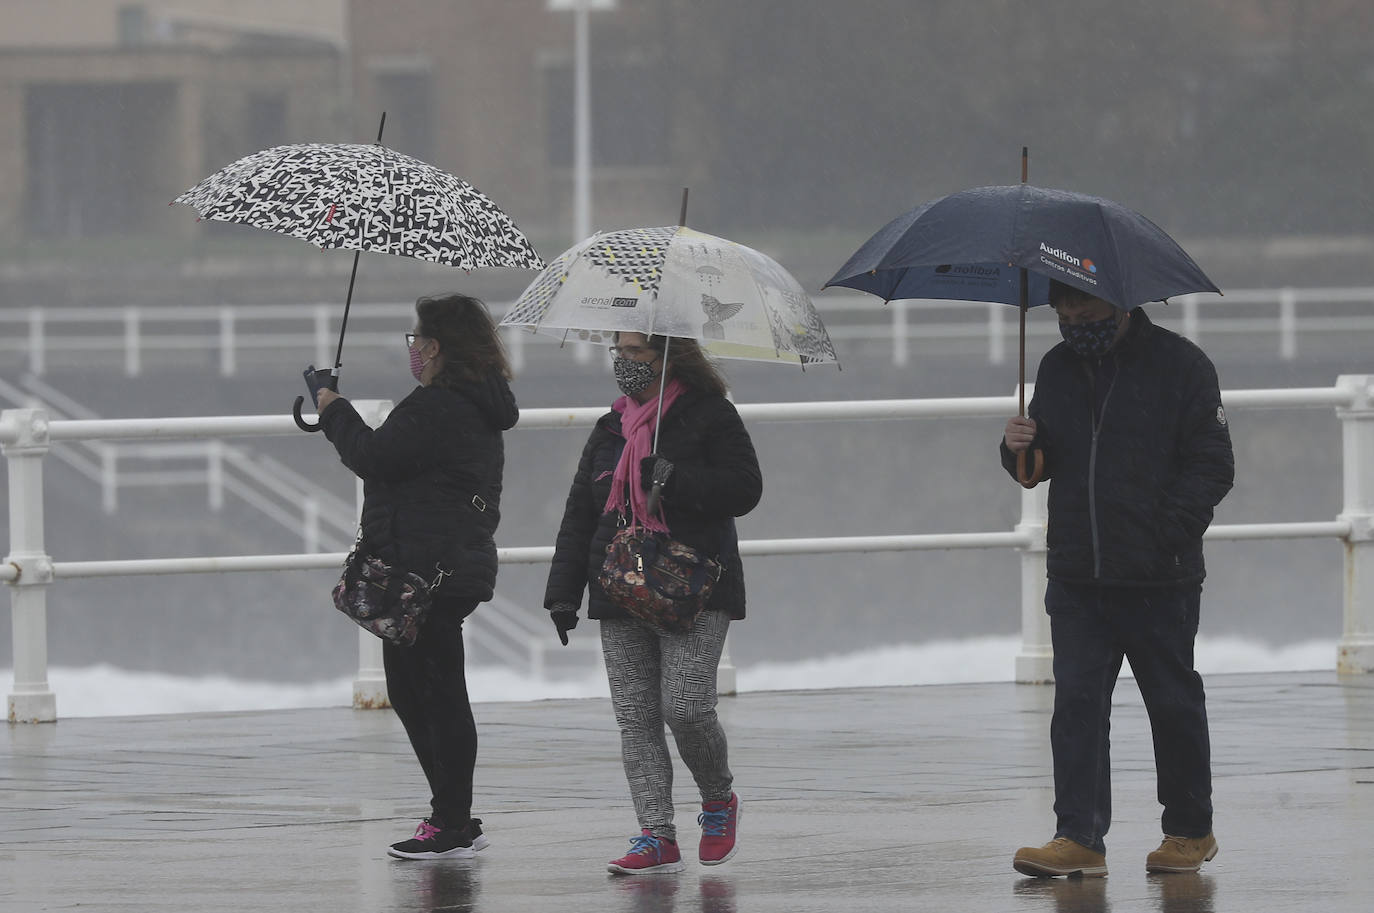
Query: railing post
[[133, 356], [727, 683], [109, 478], [310, 525], [1355, 652], [1035, 662], [997, 336], [228, 354], [38, 361], [515, 347], [900, 341], [31, 701], [214, 474], [1288, 324], [1190, 321], [323, 357], [369, 688]]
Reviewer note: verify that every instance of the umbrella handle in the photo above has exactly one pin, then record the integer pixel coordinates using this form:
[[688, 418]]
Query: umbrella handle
[[1038, 473], [296, 414]]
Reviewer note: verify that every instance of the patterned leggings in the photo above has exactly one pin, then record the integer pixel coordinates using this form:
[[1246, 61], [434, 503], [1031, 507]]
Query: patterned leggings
[[657, 678]]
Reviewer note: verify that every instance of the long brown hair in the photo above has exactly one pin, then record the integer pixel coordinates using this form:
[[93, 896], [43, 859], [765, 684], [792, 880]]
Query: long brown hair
[[689, 363], [467, 338]]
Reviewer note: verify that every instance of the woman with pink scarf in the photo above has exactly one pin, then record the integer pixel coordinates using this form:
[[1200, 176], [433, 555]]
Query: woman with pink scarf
[[658, 678]]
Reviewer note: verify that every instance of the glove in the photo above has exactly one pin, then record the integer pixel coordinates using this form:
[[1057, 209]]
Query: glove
[[653, 470], [315, 381], [564, 618]]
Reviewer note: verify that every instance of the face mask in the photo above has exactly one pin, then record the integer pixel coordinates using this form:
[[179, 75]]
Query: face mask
[[632, 376], [1091, 340], [417, 365]]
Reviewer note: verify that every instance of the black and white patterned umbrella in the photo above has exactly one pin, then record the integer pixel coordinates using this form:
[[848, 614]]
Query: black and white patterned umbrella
[[364, 197]]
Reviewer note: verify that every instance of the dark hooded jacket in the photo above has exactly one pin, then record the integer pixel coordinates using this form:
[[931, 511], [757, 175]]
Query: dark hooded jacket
[[1137, 453], [432, 481], [716, 477]]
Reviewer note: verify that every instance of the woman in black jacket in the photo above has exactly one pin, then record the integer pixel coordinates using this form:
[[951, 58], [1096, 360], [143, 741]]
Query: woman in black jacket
[[657, 677], [431, 504]]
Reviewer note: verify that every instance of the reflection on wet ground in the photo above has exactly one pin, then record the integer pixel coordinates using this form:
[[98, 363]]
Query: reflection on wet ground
[[891, 799]]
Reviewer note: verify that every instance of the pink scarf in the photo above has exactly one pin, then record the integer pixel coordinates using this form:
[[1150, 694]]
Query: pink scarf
[[637, 424]]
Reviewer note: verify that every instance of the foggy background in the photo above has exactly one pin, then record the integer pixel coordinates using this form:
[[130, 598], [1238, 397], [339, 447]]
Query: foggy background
[[1245, 128]]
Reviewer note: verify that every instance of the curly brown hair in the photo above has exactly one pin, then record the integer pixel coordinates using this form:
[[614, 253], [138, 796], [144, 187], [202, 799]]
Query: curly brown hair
[[689, 363], [467, 338]]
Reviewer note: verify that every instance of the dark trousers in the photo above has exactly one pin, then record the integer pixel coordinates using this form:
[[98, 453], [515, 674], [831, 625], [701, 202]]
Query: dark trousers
[[1092, 628], [428, 690]]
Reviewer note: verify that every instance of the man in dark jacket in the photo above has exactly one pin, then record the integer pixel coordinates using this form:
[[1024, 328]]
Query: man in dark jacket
[[1129, 419]]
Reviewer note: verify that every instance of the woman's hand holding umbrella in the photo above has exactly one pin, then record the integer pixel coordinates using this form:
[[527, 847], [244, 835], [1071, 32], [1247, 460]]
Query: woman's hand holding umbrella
[[326, 397]]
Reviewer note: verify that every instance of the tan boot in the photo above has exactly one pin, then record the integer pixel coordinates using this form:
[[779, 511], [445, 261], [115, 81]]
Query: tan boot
[[1061, 856], [1181, 854]]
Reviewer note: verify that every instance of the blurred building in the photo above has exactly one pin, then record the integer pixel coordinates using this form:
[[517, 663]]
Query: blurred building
[[112, 108], [806, 121], [484, 88]]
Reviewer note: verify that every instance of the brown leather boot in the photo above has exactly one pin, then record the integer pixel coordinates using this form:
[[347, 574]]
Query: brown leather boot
[[1061, 856], [1181, 854]]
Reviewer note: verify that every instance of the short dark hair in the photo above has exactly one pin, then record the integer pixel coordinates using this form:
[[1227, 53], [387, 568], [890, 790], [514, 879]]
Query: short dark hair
[[467, 338], [1060, 293]]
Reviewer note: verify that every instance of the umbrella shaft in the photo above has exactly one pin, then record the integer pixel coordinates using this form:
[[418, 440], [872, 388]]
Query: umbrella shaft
[[348, 302]]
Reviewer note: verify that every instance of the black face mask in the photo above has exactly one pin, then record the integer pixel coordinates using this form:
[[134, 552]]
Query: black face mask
[[633, 376], [1091, 340]]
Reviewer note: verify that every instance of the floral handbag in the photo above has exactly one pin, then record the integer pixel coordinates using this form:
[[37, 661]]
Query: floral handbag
[[657, 579], [388, 602]]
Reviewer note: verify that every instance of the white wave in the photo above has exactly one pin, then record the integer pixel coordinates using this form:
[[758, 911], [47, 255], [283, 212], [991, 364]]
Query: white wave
[[105, 690]]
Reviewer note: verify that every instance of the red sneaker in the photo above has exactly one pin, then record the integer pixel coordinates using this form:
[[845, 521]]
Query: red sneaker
[[648, 855], [719, 821]]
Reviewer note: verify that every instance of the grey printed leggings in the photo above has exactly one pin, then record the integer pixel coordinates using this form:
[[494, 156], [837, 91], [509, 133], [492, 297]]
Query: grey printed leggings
[[667, 678]]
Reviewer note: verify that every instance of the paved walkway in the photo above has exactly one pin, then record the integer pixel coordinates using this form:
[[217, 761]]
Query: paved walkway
[[858, 800]]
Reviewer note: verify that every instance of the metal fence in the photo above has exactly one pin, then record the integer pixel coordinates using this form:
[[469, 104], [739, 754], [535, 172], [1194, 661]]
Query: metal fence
[[27, 434], [230, 333]]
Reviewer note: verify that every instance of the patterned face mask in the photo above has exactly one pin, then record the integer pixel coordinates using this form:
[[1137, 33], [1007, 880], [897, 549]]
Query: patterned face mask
[[417, 365], [1091, 340], [632, 376]]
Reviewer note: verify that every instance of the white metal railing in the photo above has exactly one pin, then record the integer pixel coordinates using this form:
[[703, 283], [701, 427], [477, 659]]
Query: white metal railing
[[231, 330], [281, 494], [26, 434]]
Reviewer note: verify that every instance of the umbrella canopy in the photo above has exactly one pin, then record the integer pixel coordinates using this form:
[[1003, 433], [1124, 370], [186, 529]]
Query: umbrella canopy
[[364, 197], [1004, 244], [674, 281], [970, 246]]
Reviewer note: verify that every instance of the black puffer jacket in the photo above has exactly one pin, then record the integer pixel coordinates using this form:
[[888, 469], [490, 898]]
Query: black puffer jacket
[[432, 480], [1132, 493], [716, 478]]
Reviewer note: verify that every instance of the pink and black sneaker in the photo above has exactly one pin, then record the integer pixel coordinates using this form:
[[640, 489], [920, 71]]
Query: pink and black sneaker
[[437, 842], [648, 855], [719, 822]]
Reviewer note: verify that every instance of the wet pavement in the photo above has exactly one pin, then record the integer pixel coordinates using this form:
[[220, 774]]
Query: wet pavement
[[878, 799]]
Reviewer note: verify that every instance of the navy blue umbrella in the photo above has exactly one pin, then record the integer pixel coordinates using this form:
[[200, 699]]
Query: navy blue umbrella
[[972, 244], [1004, 244]]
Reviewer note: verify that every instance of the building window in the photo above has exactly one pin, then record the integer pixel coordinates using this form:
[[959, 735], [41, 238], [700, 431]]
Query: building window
[[98, 156]]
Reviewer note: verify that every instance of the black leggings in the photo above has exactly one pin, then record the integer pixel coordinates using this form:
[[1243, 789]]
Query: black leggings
[[428, 689]]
